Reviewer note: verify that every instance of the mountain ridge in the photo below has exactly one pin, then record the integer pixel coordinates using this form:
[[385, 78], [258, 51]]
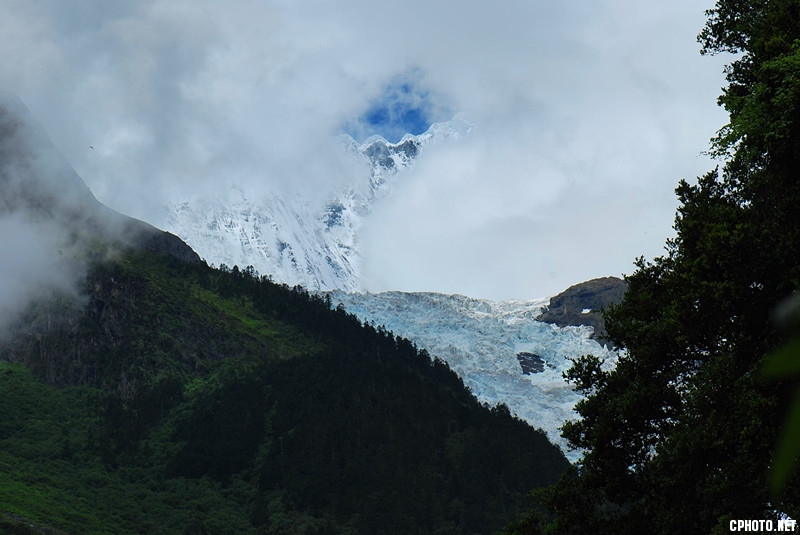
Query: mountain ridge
[[167, 396], [38, 183], [293, 240], [319, 251]]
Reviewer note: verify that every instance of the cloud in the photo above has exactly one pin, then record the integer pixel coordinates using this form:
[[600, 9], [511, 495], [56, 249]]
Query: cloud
[[587, 113], [32, 265], [39, 197]]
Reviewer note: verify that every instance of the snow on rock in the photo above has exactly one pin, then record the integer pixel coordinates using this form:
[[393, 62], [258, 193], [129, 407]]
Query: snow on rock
[[293, 240]]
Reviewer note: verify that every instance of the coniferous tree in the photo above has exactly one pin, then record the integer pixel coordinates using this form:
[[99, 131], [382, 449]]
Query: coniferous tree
[[679, 437]]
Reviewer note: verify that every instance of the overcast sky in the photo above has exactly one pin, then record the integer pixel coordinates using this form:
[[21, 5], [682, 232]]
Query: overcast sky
[[586, 114]]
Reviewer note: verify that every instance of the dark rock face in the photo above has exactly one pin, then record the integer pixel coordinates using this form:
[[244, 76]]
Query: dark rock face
[[158, 241], [380, 153], [530, 362], [407, 148], [333, 214], [567, 308]]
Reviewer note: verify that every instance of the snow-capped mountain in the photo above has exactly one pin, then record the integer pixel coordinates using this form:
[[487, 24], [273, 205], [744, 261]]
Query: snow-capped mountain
[[498, 348], [294, 240]]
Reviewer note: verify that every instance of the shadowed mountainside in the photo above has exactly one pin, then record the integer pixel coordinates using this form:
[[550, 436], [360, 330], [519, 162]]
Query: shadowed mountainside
[[39, 186]]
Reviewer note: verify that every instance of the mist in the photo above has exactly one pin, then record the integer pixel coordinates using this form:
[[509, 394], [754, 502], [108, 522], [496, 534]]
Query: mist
[[32, 267], [51, 226], [40, 193], [586, 114]]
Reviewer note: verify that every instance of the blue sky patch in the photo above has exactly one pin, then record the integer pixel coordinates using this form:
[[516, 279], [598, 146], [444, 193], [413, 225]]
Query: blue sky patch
[[403, 108]]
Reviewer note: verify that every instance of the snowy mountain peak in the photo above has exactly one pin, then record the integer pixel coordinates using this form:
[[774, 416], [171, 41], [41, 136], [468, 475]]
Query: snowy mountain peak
[[297, 242]]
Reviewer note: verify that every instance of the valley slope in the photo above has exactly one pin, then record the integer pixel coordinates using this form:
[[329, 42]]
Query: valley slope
[[155, 394]]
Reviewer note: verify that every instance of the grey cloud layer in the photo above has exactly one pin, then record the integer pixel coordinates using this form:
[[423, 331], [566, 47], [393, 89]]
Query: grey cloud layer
[[586, 112]]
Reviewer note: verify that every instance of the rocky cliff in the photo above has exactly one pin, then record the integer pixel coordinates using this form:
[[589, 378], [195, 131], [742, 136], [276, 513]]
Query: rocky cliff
[[583, 303]]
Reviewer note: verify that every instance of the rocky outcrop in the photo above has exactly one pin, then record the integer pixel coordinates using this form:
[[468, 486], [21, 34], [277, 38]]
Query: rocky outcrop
[[582, 304], [530, 362]]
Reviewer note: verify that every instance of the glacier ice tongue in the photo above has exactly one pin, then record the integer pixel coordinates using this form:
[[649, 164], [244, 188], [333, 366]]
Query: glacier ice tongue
[[481, 339]]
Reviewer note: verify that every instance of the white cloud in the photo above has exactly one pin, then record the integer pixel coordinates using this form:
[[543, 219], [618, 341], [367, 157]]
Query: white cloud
[[588, 108], [32, 265]]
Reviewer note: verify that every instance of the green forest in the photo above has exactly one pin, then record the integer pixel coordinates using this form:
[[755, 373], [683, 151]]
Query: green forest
[[175, 398], [699, 423], [186, 399]]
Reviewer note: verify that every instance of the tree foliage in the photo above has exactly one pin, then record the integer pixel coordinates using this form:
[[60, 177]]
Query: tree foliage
[[181, 399], [680, 436]]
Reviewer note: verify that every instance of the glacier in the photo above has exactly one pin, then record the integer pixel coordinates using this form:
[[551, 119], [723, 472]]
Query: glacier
[[484, 342], [500, 351]]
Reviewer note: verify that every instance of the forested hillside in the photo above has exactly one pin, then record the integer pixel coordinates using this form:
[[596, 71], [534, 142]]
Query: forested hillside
[[682, 435], [176, 398]]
